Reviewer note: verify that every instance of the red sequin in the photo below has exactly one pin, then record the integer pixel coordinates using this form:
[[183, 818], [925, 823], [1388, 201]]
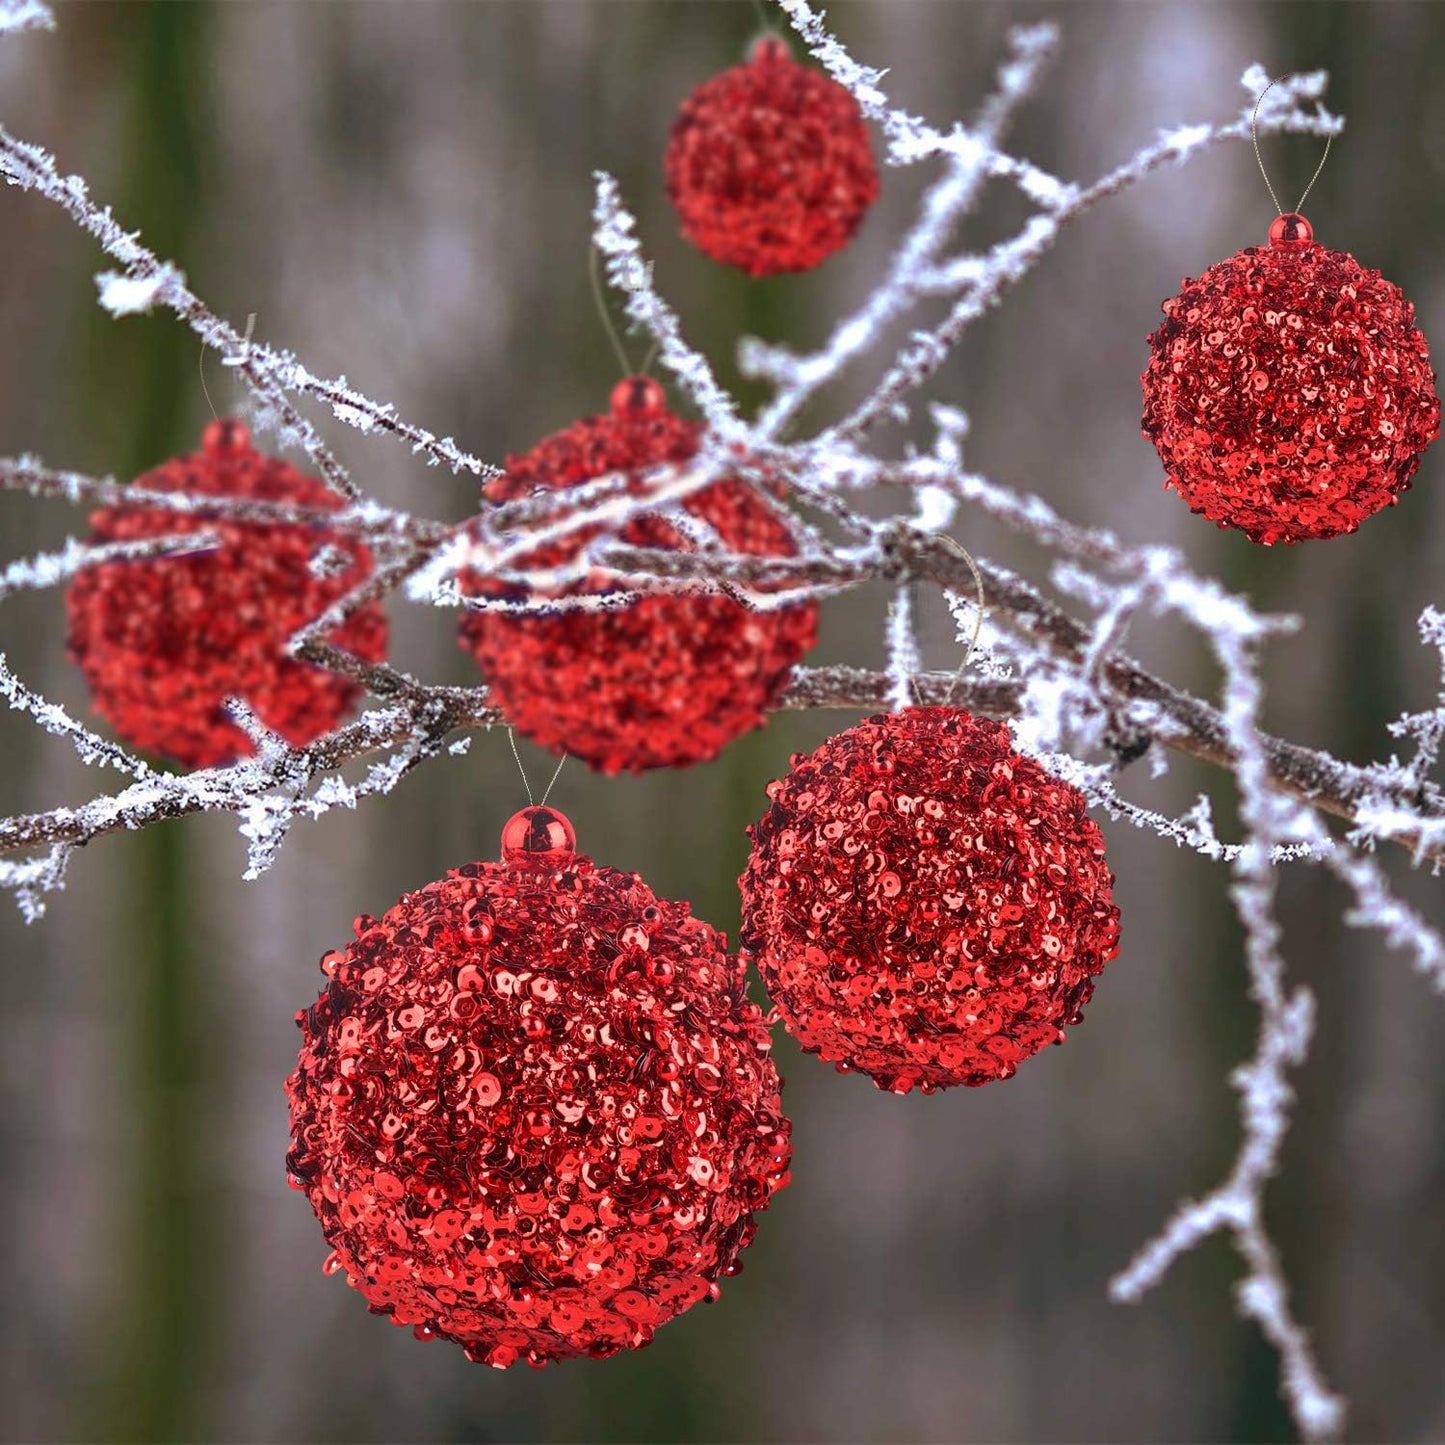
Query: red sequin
[[164, 642], [534, 1110], [926, 905], [1289, 392], [670, 679], [769, 165]]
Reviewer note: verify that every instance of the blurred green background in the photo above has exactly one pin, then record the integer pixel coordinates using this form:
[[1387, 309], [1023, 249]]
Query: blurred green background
[[400, 191]]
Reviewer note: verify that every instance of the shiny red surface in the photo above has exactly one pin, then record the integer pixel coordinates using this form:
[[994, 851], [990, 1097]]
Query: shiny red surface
[[925, 905], [1288, 391], [534, 1110], [769, 165], [666, 680], [538, 837], [163, 642]]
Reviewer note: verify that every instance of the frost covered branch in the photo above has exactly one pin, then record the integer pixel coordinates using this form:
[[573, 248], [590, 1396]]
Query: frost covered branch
[[1286, 1021], [1052, 662], [274, 376], [17, 15]]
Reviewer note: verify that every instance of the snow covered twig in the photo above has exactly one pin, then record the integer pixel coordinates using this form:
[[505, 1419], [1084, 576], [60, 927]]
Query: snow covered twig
[[1057, 669]]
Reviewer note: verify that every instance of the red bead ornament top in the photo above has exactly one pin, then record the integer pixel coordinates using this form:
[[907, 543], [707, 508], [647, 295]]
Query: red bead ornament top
[[534, 1110], [670, 679], [163, 642], [924, 904], [538, 838], [769, 164], [1289, 392]]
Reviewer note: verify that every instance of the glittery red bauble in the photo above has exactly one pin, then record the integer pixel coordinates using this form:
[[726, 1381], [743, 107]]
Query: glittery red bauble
[[925, 904], [535, 1111], [1289, 391], [769, 165], [163, 642], [669, 679]]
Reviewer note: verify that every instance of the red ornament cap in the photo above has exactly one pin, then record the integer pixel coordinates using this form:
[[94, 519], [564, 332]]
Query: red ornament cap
[[1291, 232], [769, 49], [638, 396], [538, 838], [225, 437]]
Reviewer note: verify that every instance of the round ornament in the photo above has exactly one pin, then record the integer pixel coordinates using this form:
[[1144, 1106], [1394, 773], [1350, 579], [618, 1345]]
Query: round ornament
[[665, 680], [164, 641], [1289, 392], [926, 905], [769, 164], [534, 1110]]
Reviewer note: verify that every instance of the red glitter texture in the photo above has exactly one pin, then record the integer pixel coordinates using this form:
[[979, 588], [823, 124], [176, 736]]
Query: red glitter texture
[[164, 642], [667, 680], [769, 165], [1289, 392], [924, 904], [534, 1110]]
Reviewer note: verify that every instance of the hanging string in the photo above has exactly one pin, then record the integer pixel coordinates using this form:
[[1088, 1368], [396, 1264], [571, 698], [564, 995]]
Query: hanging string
[[512, 738], [201, 362], [955, 546], [555, 776], [206, 390], [532, 802], [600, 298], [1254, 136]]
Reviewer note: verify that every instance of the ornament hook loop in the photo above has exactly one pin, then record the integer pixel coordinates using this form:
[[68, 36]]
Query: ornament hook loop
[[599, 298], [512, 738], [957, 547], [1254, 137]]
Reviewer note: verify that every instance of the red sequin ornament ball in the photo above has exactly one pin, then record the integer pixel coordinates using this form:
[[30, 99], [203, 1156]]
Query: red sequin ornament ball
[[769, 164], [163, 642], [1289, 392], [924, 904], [666, 680], [535, 1111]]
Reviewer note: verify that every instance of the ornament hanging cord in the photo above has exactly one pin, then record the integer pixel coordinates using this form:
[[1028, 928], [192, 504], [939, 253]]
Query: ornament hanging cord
[[206, 390], [531, 802], [955, 546], [599, 297], [1254, 136], [201, 364]]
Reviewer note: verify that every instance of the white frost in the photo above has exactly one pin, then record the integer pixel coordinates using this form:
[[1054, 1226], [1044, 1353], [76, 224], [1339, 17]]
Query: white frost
[[126, 295], [18, 15], [1079, 702]]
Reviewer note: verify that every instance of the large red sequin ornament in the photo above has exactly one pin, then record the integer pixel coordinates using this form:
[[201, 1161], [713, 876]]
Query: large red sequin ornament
[[535, 1111], [163, 642], [669, 679], [769, 164], [926, 905], [1288, 391]]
